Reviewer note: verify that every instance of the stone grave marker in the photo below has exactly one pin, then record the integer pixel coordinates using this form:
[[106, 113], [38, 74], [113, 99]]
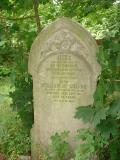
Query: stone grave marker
[[64, 68]]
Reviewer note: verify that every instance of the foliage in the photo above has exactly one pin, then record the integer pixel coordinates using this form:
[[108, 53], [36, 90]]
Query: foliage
[[103, 23], [14, 140], [59, 149], [82, 8], [87, 148], [104, 113], [22, 99], [17, 35]]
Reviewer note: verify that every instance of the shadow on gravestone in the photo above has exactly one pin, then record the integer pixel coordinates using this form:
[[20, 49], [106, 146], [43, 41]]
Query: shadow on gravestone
[[64, 68]]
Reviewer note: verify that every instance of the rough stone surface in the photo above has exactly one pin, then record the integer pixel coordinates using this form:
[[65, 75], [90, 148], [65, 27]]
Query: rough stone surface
[[64, 68]]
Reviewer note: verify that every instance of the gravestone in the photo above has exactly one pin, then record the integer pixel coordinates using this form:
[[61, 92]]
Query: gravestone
[[63, 64]]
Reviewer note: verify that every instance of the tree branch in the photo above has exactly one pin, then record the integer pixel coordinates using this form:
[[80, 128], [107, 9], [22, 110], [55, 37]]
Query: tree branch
[[36, 5], [15, 19]]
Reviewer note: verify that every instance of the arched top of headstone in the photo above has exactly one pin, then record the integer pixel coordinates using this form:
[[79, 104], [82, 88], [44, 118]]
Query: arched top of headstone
[[60, 36]]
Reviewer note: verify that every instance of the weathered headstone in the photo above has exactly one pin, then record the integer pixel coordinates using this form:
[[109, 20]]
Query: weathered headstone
[[64, 68]]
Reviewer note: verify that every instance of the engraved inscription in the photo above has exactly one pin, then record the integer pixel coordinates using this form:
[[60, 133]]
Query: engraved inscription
[[64, 84]]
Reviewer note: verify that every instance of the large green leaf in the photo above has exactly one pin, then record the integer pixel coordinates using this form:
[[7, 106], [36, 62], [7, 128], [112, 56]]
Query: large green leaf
[[85, 113], [115, 108], [108, 127]]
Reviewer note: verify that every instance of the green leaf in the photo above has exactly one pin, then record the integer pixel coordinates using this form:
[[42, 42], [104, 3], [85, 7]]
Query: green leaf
[[86, 149], [59, 146], [115, 107], [108, 127], [100, 114], [85, 113]]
